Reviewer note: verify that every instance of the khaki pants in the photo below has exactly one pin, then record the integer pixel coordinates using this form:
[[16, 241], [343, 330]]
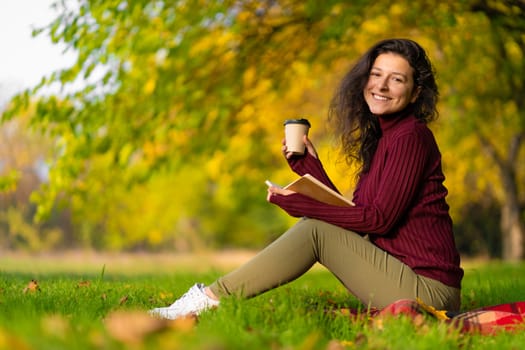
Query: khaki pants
[[372, 275]]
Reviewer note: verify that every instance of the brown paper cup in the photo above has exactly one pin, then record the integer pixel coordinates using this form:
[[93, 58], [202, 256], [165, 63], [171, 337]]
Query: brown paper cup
[[294, 130]]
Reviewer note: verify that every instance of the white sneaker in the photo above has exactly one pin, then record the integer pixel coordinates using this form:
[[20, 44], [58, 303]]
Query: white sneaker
[[193, 302]]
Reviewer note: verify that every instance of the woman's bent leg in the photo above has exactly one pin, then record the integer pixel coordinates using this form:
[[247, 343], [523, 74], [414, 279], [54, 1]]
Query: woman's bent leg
[[284, 260], [374, 276], [371, 274]]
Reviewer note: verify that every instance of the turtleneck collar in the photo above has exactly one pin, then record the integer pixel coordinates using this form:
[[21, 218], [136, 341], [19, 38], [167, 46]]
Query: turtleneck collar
[[387, 121]]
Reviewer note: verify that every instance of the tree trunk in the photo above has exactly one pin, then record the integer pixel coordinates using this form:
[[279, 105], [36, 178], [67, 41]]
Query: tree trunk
[[512, 227], [513, 231]]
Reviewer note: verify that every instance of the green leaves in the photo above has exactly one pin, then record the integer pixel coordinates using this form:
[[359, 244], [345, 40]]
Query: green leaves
[[196, 92], [8, 181]]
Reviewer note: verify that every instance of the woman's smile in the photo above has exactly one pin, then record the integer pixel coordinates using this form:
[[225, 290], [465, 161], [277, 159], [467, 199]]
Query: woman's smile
[[380, 97]]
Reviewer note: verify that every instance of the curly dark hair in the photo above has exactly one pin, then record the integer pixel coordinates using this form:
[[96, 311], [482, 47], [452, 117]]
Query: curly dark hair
[[353, 124]]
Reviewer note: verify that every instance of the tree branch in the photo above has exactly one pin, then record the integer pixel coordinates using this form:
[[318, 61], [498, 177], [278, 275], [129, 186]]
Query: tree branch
[[514, 147], [491, 150]]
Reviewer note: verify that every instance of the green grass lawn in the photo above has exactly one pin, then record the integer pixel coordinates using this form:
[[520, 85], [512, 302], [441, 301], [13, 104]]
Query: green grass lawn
[[104, 308]]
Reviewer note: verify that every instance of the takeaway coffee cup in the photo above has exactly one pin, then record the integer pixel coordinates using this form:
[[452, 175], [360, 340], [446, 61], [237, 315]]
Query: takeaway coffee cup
[[294, 130]]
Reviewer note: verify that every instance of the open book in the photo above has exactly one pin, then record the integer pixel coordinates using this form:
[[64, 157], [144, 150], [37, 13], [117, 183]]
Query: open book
[[311, 187]]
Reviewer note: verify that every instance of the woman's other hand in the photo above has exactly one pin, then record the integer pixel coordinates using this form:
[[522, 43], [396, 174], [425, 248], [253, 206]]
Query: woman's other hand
[[274, 190]]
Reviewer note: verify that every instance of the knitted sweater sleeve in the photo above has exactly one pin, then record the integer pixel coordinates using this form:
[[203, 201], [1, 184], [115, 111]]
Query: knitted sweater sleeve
[[402, 170], [308, 164]]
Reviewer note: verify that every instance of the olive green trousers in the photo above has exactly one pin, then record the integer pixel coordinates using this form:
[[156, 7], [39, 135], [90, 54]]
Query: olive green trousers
[[372, 275]]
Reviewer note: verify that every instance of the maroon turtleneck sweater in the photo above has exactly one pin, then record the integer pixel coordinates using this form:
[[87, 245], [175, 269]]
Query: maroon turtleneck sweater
[[400, 201]]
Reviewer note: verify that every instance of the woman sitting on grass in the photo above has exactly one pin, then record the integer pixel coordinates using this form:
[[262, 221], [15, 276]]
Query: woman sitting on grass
[[397, 241]]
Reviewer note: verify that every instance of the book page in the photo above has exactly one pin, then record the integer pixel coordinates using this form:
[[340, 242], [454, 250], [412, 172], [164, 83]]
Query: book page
[[309, 186]]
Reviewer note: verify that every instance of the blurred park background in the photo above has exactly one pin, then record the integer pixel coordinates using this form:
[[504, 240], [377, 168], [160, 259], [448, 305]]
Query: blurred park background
[[160, 134]]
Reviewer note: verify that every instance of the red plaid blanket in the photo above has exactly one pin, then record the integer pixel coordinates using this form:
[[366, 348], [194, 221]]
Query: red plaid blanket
[[486, 320]]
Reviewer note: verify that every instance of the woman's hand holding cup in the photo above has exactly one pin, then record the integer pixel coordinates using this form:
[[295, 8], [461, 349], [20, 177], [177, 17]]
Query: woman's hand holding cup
[[296, 140]]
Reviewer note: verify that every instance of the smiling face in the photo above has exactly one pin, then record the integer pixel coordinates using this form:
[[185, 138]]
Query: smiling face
[[390, 86]]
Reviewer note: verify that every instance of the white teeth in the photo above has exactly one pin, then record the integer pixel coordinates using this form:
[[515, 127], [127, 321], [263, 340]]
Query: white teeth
[[381, 98]]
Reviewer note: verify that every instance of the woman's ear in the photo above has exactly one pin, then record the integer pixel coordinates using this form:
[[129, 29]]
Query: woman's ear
[[415, 94]]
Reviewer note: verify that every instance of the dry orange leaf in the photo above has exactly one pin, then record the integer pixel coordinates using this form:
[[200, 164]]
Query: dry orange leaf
[[184, 324], [84, 284], [55, 325], [335, 345], [32, 286], [132, 326]]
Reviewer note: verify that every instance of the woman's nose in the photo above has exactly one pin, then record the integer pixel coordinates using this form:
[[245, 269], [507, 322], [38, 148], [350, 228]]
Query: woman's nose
[[383, 84]]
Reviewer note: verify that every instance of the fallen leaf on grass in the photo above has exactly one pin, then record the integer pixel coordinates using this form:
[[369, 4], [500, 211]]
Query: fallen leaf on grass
[[84, 284], [32, 287], [335, 345], [183, 324], [132, 327], [55, 325]]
